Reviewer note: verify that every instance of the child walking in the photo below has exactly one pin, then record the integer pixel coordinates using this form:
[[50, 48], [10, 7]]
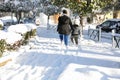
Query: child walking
[[75, 32]]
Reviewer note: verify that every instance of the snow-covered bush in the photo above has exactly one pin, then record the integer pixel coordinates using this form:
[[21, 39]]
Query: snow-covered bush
[[33, 32], [26, 30], [30, 33], [19, 28], [22, 28], [12, 40], [16, 36], [1, 25], [2, 42], [32, 28], [2, 46]]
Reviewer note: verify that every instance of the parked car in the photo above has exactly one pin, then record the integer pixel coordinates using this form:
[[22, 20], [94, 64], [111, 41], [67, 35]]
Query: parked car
[[7, 21], [109, 25], [27, 20]]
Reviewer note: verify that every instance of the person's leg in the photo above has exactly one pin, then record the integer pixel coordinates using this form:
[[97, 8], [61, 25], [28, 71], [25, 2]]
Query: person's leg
[[76, 40], [61, 37], [72, 39], [66, 40]]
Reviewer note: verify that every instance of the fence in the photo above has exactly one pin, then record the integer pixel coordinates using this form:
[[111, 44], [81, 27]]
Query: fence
[[96, 34], [115, 40]]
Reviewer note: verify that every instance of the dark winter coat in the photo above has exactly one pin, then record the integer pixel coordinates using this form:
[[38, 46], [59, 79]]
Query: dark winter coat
[[75, 30], [64, 25]]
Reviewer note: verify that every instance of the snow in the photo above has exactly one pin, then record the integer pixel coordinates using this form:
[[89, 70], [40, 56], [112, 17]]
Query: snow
[[1, 23], [13, 37], [1, 34], [21, 28], [8, 18], [44, 58], [10, 37], [13, 33]]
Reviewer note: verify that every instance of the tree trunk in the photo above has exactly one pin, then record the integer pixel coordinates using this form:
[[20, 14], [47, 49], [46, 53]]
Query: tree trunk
[[19, 17], [81, 24]]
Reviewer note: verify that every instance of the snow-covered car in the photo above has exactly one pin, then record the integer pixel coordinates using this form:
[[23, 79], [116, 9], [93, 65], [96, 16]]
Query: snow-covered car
[[109, 25], [8, 20], [27, 20]]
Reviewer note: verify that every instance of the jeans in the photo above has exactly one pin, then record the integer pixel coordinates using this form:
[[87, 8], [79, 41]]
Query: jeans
[[65, 38]]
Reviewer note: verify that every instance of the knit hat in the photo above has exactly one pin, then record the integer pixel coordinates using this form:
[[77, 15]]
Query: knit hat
[[64, 11]]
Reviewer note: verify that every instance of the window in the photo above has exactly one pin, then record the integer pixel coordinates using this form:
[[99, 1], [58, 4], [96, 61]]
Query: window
[[107, 23]]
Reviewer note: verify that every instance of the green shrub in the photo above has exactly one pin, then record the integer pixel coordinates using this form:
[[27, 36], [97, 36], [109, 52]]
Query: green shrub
[[26, 38], [1, 27], [33, 32], [9, 47], [2, 46], [15, 46]]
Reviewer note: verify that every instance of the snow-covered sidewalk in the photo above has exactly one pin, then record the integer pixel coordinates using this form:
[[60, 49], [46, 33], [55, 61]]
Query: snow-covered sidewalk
[[45, 59]]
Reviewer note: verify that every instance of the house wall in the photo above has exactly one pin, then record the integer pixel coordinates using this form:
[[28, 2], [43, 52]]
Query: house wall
[[117, 14], [102, 17], [54, 18]]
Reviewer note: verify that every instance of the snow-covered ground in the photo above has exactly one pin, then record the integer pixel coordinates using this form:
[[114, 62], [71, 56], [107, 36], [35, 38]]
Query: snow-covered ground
[[44, 58]]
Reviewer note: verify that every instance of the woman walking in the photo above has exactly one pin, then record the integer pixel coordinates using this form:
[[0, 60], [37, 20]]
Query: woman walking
[[64, 27]]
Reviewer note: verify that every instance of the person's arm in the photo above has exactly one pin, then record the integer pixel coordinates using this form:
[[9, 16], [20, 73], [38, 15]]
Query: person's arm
[[79, 30], [58, 24], [70, 22]]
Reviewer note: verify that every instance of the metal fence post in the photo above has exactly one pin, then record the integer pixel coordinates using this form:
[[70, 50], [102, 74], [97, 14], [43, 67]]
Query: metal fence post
[[88, 31], [113, 40], [99, 34]]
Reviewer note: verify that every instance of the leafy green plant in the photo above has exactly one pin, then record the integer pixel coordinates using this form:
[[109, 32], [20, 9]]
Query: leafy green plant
[[26, 38], [15, 46], [1, 27], [33, 32], [2, 46]]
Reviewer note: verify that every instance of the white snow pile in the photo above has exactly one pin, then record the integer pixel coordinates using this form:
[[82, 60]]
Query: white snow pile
[[14, 32], [2, 34], [21, 28], [1, 23], [10, 37]]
